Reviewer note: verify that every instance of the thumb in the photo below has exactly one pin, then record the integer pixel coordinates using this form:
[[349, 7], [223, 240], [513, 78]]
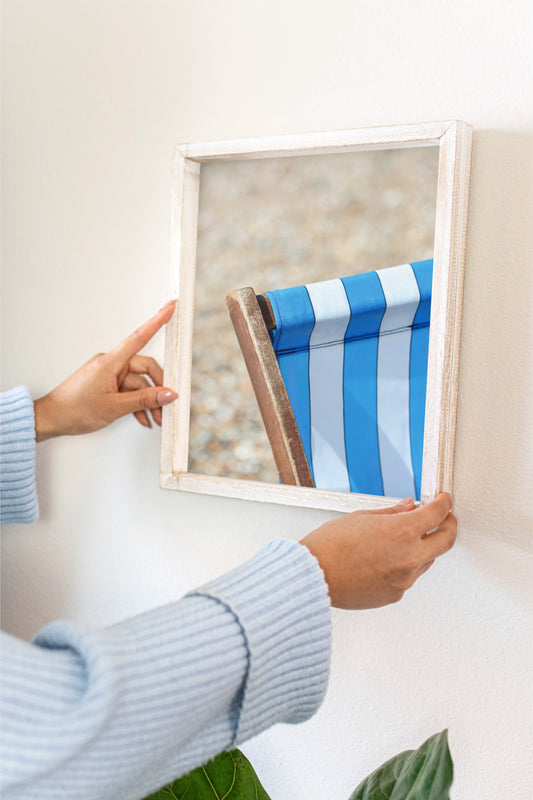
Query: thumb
[[142, 400]]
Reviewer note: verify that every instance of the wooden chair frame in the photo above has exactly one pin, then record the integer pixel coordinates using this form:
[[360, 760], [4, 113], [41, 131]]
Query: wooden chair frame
[[454, 139], [252, 318]]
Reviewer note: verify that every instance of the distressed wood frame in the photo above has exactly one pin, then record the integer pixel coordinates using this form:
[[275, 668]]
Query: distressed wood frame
[[454, 139]]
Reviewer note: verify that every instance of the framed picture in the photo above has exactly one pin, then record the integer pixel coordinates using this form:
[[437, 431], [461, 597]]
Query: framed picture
[[372, 219]]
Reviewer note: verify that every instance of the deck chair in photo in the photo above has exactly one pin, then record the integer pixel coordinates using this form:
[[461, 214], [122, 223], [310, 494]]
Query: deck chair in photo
[[339, 370]]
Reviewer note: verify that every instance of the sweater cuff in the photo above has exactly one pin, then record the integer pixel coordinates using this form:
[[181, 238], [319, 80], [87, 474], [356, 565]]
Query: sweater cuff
[[18, 493], [281, 601]]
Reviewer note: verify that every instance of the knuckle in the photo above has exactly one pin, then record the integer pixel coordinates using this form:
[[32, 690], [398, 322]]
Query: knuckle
[[146, 398], [412, 564], [450, 536], [397, 595], [408, 582], [403, 580], [446, 544], [451, 540]]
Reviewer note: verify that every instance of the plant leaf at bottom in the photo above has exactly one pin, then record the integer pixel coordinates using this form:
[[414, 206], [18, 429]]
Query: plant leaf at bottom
[[423, 774], [229, 776]]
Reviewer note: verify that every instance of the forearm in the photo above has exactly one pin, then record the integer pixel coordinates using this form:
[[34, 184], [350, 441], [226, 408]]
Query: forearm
[[88, 712], [119, 712], [46, 419]]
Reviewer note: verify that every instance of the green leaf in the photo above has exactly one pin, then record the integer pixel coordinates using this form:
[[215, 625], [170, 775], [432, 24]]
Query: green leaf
[[423, 774], [229, 776]]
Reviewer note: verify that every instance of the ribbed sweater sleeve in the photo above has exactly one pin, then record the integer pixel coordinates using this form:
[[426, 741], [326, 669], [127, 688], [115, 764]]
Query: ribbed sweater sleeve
[[18, 496], [116, 713], [287, 634]]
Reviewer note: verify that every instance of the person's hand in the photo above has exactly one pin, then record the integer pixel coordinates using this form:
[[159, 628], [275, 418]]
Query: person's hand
[[107, 387], [370, 558]]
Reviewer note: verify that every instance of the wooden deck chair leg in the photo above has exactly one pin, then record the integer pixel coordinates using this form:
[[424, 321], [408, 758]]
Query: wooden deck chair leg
[[269, 388]]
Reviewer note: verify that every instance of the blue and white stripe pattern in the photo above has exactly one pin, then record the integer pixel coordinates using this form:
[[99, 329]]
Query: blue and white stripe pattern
[[117, 712], [353, 355]]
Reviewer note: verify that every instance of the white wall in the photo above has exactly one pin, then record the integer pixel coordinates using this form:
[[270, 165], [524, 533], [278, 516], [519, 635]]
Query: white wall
[[95, 94]]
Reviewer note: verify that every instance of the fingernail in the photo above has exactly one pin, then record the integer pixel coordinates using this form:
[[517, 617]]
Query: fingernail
[[407, 501], [167, 304], [164, 398]]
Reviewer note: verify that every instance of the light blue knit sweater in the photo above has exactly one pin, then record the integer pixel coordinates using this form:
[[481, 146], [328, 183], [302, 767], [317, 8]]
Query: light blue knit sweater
[[117, 712]]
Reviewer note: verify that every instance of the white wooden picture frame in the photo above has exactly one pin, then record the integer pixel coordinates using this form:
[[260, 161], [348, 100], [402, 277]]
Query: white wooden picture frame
[[453, 138]]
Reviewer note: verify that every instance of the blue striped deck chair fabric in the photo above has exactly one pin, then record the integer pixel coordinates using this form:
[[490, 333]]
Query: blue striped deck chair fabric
[[353, 356]]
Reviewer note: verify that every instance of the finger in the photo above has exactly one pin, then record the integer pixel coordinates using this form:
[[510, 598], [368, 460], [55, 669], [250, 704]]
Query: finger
[[430, 516], [145, 365], [141, 400], [139, 338], [425, 568], [142, 417], [157, 416], [421, 570], [438, 543], [135, 382], [132, 382], [407, 504]]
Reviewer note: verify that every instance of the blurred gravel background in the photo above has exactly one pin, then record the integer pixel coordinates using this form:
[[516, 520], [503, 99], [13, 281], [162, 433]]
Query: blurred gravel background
[[282, 222]]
